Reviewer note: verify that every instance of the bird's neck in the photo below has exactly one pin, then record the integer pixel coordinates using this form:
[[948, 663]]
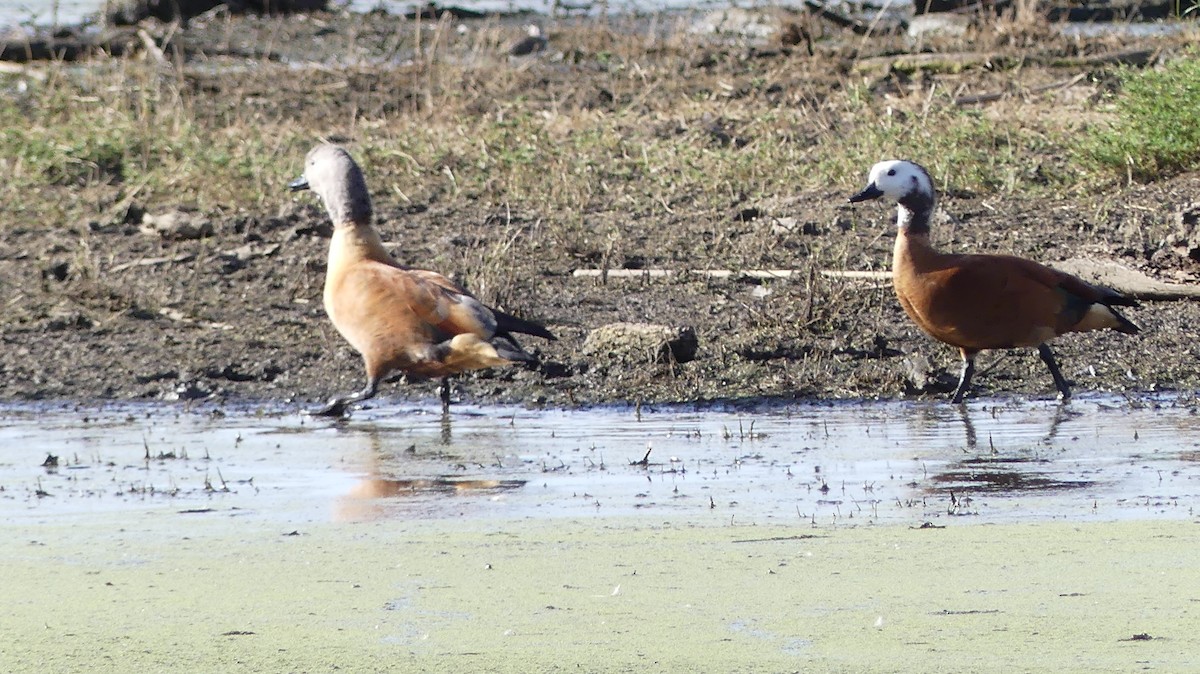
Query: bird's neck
[[353, 242], [913, 214], [347, 202], [914, 254]]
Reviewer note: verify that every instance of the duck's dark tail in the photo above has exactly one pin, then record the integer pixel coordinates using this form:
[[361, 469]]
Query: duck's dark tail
[[1123, 324], [507, 323], [1113, 299]]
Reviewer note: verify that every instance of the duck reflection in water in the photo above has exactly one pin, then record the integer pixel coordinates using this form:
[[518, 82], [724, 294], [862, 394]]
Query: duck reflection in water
[[384, 492]]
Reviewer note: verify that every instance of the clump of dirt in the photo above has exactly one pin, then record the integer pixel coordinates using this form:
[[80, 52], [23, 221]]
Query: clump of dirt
[[229, 309]]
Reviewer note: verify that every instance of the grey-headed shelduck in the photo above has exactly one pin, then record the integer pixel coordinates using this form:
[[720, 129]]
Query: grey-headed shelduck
[[397, 317], [977, 302]]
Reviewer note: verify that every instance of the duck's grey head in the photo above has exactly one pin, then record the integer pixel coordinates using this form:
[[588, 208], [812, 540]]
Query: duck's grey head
[[331, 173], [897, 180]]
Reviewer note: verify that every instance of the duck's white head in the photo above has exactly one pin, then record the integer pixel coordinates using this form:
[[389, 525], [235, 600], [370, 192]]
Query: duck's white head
[[332, 174], [897, 180]]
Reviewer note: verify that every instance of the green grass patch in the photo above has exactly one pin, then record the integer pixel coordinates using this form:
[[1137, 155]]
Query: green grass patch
[[77, 142], [1155, 133]]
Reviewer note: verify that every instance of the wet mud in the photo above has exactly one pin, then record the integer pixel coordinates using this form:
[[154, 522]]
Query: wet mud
[[235, 316]]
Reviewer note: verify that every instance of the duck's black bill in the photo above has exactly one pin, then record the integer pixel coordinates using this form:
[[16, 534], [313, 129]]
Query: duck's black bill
[[299, 184], [871, 192]]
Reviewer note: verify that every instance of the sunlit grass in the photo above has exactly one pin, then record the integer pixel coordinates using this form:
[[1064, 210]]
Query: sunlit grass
[[82, 140], [1155, 133], [632, 124]]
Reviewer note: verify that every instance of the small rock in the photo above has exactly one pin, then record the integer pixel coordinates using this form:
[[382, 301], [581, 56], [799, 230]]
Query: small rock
[[237, 258], [177, 225], [926, 25], [923, 377], [919, 371], [784, 225], [250, 251], [187, 390], [753, 24], [67, 319], [642, 342], [58, 271], [533, 42], [790, 225], [1186, 239]]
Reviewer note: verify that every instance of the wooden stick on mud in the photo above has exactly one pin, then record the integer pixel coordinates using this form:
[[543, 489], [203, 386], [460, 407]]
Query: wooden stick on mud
[[153, 49], [997, 95], [1109, 273], [836, 19], [152, 262], [730, 273], [24, 71], [996, 60]]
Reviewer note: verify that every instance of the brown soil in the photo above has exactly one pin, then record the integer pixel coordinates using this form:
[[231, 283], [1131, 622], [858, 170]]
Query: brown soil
[[243, 318]]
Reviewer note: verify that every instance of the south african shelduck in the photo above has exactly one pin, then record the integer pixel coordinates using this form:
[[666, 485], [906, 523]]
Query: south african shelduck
[[397, 317], [977, 302]]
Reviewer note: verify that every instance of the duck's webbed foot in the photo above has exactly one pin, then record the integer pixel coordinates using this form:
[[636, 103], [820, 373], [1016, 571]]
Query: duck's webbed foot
[[339, 407], [336, 407]]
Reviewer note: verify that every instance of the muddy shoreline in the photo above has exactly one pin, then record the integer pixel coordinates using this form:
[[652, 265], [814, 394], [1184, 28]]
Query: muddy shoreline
[[98, 308]]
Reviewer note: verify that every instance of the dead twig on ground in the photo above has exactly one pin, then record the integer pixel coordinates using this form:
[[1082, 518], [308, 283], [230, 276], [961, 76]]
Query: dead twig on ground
[[998, 95]]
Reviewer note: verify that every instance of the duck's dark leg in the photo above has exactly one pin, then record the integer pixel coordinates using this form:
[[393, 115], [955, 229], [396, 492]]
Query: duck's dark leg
[[1064, 389], [444, 391], [336, 407], [964, 379]]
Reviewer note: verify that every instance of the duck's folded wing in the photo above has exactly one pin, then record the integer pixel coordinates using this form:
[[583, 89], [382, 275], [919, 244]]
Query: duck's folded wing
[[1093, 293], [1080, 306], [999, 301], [498, 322], [442, 304]]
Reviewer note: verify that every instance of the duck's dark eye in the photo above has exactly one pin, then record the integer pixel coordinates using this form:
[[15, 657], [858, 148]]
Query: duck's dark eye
[[891, 172]]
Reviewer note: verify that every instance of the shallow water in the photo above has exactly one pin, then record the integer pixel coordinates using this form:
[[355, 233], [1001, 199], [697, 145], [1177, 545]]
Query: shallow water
[[1130, 30], [853, 463], [74, 12], [47, 12]]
